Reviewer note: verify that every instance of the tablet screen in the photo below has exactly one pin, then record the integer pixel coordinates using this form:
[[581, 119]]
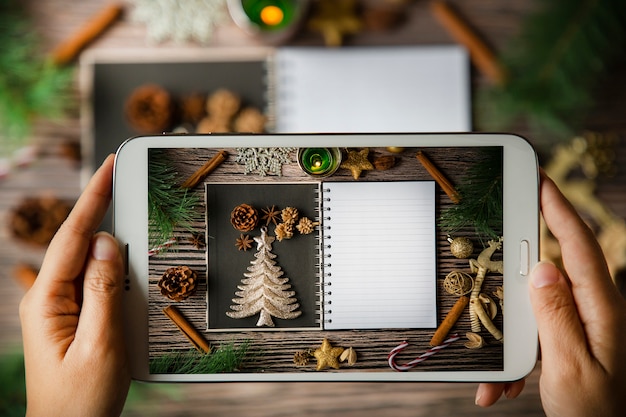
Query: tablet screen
[[291, 260]]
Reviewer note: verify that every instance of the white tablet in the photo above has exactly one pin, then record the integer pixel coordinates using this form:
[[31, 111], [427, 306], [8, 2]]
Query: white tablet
[[334, 257]]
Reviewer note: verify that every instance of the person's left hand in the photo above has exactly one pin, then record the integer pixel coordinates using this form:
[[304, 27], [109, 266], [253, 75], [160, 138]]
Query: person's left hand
[[74, 351]]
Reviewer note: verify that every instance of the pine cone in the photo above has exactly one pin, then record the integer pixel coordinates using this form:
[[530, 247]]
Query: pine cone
[[36, 220], [284, 231], [178, 283], [193, 108], [149, 109], [244, 217], [290, 215], [306, 226]]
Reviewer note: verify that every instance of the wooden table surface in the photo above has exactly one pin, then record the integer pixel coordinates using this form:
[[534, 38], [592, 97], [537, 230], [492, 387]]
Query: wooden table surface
[[497, 21]]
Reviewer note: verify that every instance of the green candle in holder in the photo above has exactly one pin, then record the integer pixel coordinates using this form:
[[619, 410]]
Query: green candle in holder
[[268, 19], [319, 162]]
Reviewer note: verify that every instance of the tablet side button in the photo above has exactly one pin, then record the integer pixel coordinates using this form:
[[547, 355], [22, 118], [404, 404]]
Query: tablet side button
[[524, 258]]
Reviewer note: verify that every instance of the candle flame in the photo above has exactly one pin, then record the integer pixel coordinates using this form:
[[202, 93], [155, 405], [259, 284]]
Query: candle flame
[[272, 15]]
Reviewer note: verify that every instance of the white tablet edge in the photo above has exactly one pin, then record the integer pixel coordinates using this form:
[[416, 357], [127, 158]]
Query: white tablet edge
[[521, 184]]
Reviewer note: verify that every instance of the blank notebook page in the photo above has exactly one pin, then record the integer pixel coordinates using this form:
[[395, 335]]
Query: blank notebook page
[[379, 248], [372, 89]]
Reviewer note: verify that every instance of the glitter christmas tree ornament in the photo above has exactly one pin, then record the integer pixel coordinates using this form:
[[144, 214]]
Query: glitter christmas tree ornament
[[263, 290]]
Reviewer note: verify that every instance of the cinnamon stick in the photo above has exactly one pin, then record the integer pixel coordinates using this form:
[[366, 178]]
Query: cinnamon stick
[[205, 170], [480, 53], [196, 339], [443, 182], [447, 323], [69, 49]]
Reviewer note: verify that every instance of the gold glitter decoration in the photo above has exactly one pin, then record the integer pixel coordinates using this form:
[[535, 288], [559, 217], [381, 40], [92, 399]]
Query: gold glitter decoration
[[327, 356], [334, 19], [357, 162], [458, 283], [302, 357], [461, 247], [263, 291]]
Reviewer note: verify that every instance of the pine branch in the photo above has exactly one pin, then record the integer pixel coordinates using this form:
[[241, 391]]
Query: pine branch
[[557, 62], [169, 206], [481, 199], [228, 358], [29, 85]]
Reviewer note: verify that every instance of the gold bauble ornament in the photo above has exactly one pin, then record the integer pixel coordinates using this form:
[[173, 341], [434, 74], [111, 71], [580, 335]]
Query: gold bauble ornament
[[461, 247], [395, 149]]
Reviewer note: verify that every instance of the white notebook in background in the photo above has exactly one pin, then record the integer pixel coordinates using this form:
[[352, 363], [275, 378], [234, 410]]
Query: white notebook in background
[[379, 255], [372, 89]]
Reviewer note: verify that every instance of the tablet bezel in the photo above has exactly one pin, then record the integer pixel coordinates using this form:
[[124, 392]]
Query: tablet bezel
[[521, 224]]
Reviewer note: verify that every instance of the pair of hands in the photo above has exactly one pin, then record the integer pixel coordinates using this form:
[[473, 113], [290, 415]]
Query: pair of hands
[[75, 353]]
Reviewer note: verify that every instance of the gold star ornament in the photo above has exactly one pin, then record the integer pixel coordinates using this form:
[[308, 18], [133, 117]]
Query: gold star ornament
[[357, 162], [334, 19], [327, 356]]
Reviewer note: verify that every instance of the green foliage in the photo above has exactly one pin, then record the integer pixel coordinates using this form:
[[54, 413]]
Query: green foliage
[[30, 86], [557, 62], [12, 385], [169, 206], [481, 204], [227, 358]]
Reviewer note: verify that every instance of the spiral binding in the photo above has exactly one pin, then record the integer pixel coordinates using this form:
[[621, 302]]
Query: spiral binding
[[326, 255]]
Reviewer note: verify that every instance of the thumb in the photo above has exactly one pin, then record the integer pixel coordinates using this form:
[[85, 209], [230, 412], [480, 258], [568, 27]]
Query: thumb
[[561, 332], [101, 310]]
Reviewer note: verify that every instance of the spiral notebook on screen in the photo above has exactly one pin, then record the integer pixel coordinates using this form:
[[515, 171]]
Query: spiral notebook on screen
[[379, 263]]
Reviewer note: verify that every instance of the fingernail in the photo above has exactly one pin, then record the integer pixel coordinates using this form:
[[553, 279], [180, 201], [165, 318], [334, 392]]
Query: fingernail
[[479, 395], [104, 247], [544, 274]]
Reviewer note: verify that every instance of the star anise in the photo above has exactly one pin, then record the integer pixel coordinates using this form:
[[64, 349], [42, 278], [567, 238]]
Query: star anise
[[244, 242], [197, 240], [271, 215]]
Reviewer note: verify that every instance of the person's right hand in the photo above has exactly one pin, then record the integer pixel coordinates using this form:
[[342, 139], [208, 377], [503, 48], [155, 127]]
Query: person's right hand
[[581, 318]]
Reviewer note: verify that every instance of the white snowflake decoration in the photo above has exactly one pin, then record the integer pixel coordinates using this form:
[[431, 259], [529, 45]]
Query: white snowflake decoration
[[179, 20], [264, 161]]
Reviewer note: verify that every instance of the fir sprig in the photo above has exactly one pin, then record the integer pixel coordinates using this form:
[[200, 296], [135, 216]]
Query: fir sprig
[[556, 63], [481, 204], [30, 86], [169, 206], [227, 358]]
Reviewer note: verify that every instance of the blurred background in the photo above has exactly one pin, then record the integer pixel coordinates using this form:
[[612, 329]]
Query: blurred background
[[553, 71]]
